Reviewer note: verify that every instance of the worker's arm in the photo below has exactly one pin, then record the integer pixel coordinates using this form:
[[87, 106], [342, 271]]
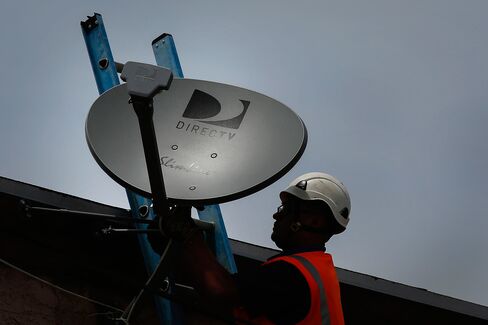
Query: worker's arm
[[211, 280], [208, 277]]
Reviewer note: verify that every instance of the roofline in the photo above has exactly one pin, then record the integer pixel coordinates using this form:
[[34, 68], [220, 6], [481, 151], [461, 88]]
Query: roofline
[[376, 284], [54, 198], [255, 252]]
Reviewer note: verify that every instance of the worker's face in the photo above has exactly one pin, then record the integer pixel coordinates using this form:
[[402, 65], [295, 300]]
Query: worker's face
[[285, 216]]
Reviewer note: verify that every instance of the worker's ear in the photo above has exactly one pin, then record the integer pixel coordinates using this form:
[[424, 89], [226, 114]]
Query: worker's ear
[[313, 220], [295, 226]]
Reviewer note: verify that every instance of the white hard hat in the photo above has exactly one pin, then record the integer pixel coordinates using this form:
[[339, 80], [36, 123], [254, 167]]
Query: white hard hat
[[326, 188]]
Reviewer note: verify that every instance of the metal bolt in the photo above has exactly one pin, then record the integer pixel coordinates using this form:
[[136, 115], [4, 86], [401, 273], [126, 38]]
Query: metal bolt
[[174, 147], [143, 211], [192, 188], [165, 285], [103, 63], [214, 155]]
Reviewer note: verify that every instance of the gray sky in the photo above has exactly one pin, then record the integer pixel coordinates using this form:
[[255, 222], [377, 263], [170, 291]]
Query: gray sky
[[393, 93]]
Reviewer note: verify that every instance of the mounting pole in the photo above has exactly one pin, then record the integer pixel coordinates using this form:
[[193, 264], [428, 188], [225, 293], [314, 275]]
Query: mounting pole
[[164, 50], [144, 81], [106, 77]]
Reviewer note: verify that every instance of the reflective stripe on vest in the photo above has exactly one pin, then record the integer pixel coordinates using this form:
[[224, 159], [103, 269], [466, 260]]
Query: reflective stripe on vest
[[325, 301], [324, 309], [319, 271]]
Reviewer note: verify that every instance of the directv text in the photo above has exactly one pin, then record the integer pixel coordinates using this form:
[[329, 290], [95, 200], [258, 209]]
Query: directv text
[[193, 128]]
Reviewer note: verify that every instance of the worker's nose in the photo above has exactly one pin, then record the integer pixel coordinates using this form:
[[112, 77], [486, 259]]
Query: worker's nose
[[279, 212], [276, 215]]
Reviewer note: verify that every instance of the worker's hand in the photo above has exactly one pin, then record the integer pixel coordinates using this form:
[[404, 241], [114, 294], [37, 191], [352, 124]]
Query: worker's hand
[[178, 224]]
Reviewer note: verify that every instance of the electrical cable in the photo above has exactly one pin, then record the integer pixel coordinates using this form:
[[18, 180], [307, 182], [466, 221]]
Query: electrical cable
[[125, 317], [60, 288], [128, 310]]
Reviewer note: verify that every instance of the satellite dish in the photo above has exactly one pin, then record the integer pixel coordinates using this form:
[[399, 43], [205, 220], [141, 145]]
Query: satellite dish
[[217, 142]]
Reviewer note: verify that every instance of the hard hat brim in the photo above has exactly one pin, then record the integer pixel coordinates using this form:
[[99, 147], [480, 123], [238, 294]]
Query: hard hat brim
[[303, 195]]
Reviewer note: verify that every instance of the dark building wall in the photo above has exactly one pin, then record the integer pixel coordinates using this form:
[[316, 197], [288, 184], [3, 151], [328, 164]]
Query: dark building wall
[[69, 251], [24, 300]]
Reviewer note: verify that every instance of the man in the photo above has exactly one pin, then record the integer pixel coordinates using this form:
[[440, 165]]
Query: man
[[298, 286]]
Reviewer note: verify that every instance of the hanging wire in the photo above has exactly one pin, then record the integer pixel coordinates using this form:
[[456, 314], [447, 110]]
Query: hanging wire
[[60, 288], [125, 317], [129, 310]]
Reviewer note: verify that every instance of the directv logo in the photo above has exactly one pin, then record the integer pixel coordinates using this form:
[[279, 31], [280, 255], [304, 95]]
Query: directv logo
[[194, 128], [202, 107]]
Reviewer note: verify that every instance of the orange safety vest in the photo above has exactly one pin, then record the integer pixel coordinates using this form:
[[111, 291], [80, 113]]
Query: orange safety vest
[[325, 298]]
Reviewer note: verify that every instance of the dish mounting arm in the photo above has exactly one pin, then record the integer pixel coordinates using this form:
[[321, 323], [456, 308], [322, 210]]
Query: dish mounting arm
[[144, 81]]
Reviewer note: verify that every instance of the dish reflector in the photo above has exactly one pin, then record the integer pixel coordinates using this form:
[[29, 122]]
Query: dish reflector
[[217, 142]]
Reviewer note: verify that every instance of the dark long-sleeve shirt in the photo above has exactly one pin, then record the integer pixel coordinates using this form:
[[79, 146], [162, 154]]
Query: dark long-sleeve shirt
[[277, 290]]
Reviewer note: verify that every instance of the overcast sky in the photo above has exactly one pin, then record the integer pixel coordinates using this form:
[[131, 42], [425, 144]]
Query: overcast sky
[[394, 95]]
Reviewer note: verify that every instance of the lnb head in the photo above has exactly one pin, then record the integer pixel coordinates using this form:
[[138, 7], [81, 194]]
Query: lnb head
[[145, 80]]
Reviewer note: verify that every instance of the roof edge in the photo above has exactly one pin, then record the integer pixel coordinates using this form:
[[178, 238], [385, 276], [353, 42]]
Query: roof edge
[[260, 253], [376, 284]]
